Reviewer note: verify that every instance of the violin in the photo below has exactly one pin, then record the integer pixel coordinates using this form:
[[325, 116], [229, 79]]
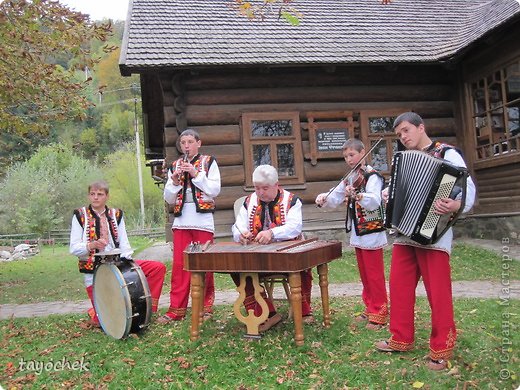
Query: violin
[[355, 179]]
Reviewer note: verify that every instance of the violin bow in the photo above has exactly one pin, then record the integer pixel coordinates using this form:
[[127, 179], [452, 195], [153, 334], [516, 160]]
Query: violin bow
[[354, 168]]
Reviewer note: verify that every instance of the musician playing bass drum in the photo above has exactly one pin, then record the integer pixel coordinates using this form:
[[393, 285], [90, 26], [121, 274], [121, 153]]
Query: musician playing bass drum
[[411, 260], [271, 214], [97, 228], [361, 190]]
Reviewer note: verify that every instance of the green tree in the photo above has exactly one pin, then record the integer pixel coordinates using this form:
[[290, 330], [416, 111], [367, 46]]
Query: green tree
[[120, 170], [39, 195]]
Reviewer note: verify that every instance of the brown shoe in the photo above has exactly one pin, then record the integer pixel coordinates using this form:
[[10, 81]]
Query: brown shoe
[[308, 319], [361, 318], [437, 365], [166, 319], [270, 322], [374, 326], [383, 346]]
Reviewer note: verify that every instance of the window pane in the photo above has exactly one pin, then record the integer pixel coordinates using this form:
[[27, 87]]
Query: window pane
[[512, 75], [285, 154], [277, 128], [381, 124], [479, 97], [379, 159], [495, 90], [261, 155], [513, 122]]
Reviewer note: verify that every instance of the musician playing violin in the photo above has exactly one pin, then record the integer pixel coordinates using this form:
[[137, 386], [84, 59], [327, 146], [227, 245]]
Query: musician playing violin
[[271, 214], [411, 260], [361, 191]]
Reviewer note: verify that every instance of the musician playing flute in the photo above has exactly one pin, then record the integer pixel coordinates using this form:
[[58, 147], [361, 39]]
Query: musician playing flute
[[193, 183], [411, 260], [361, 190], [267, 215], [96, 228]]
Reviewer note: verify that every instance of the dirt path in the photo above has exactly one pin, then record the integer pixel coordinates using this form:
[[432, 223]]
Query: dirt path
[[500, 290], [462, 289]]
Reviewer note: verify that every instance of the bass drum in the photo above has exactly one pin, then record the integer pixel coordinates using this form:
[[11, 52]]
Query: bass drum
[[122, 298]]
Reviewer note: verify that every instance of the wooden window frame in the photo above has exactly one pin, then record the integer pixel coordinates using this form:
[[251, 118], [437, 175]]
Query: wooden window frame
[[296, 139], [333, 125], [388, 138], [493, 144]]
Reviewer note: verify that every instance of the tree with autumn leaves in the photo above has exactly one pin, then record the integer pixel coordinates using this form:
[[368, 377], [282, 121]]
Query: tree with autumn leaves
[[42, 46]]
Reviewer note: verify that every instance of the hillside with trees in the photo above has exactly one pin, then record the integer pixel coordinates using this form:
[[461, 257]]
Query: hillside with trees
[[67, 117]]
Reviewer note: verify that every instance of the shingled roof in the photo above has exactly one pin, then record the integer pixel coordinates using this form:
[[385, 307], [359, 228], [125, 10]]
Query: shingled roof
[[193, 33]]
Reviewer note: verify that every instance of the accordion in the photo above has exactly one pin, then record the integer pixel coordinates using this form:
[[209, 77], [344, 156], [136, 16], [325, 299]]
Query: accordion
[[417, 180]]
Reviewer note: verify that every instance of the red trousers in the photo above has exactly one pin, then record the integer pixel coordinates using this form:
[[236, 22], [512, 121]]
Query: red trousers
[[180, 281], [251, 303], [409, 263], [372, 272], [154, 272]]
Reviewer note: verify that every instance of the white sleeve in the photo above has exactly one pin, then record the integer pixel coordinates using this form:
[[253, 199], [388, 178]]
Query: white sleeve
[[77, 246], [455, 158], [293, 224], [124, 244], [336, 197], [371, 199], [171, 190], [210, 183], [240, 224]]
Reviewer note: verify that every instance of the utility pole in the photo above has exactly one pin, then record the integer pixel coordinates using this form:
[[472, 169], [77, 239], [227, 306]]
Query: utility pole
[[138, 155]]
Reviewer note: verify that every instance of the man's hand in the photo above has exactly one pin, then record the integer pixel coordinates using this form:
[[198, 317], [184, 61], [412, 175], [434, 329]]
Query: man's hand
[[97, 244], [264, 237], [321, 199], [384, 195], [446, 206], [245, 238]]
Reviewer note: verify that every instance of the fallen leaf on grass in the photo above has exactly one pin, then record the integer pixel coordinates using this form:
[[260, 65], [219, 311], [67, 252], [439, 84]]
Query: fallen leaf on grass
[[129, 361], [417, 385]]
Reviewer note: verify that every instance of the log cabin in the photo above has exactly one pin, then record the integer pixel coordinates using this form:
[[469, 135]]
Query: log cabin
[[266, 91]]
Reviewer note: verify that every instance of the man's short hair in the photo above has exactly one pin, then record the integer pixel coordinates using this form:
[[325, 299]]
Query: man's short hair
[[410, 117], [265, 174], [353, 143], [191, 132], [99, 185]]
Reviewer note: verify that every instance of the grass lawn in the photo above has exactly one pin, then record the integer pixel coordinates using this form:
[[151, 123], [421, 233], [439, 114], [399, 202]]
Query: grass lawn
[[57, 352], [53, 276]]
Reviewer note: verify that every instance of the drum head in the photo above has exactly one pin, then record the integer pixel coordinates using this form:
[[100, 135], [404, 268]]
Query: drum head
[[112, 301]]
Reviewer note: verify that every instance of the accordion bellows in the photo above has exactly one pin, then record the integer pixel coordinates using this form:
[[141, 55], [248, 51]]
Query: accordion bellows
[[417, 180]]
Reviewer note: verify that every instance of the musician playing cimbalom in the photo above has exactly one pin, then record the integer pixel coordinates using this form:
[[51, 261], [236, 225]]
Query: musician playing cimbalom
[[96, 228], [271, 214], [411, 260], [361, 190], [193, 184]]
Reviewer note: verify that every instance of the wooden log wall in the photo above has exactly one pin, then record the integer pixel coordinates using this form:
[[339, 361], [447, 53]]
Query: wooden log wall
[[212, 103]]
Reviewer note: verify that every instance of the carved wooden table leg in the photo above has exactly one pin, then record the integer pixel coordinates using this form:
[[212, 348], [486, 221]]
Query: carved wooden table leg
[[295, 283], [323, 271], [201, 299], [196, 302], [250, 320]]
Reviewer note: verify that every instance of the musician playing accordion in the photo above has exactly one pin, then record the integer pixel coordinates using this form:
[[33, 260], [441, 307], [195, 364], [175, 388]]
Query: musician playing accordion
[[411, 259]]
